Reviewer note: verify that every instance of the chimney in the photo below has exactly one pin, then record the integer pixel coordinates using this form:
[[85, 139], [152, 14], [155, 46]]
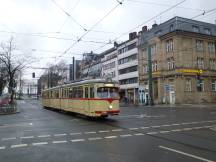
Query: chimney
[[154, 25], [132, 35], [144, 28]]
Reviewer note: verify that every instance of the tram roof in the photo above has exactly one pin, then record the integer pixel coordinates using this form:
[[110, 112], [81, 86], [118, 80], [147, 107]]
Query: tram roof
[[84, 82]]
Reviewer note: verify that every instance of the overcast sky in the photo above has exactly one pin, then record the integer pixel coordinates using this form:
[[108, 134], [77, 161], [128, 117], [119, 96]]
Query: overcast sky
[[42, 28]]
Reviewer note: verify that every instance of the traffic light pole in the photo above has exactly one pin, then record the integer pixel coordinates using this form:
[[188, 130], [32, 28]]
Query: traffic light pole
[[150, 98]]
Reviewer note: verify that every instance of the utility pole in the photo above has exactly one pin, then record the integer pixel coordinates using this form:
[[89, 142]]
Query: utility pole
[[150, 77]]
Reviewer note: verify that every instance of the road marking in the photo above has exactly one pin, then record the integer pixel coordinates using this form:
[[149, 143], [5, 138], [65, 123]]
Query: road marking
[[186, 154], [42, 136], [7, 139], [75, 133], [194, 122], [138, 134], [164, 131], [109, 137], [2, 147], [144, 127], [59, 142], [152, 133], [104, 131], [27, 137], [19, 145], [90, 132], [207, 126], [185, 123], [166, 125], [117, 130], [175, 124], [94, 138], [39, 143], [133, 128], [186, 129], [156, 126], [176, 130], [77, 140], [57, 135], [125, 135]]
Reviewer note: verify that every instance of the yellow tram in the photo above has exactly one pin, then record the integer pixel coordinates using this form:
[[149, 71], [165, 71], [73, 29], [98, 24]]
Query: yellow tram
[[93, 98]]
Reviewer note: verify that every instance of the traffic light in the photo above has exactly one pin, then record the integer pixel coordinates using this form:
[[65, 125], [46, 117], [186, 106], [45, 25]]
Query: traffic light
[[33, 75]]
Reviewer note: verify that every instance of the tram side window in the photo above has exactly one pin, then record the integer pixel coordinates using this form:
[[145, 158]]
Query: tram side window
[[91, 92], [70, 93], [78, 92], [57, 94], [86, 92]]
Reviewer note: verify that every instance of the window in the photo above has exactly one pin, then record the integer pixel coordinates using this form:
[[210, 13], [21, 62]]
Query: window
[[211, 47], [171, 27], [195, 28], [78, 92], [86, 92], [199, 45], [200, 63], [188, 85], [200, 85], [153, 49], [212, 64], [107, 92], [213, 85], [145, 68], [127, 59], [128, 81], [207, 31], [171, 63], [91, 92], [109, 66], [154, 66], [128, 70], [70, 92], [169, 45]]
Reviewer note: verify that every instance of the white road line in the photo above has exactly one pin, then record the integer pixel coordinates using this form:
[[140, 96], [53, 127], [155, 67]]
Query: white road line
[[57, 135], [77, 140], [175, 124], [89, 132], [144, 127], [186, 154], [94, 138], [186, 129], [7, 139], [75, 133], [42, 136], [208, 126], [2, 147], [117, 130], [19, 145], [39, 143], [164, 131], [176, 130], [109, 137], [156, 126], [194, 122], [138, 134], [104, 131], [198, 127], [27, 137], [166, 125], [152, 133], [59, 142], [133, 128], [185, 123], [125, 135]]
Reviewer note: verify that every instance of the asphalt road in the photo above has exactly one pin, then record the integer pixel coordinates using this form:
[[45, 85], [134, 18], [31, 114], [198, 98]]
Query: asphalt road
[[138, 134]]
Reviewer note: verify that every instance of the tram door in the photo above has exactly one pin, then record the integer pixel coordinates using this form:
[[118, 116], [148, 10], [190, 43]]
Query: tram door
[[86, 101]]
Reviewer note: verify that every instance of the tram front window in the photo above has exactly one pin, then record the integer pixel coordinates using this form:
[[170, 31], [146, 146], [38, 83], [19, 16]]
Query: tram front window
[[107, 92]]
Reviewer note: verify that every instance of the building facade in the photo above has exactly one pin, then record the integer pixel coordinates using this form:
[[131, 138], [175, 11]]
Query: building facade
[[128, 69], [183, 61]]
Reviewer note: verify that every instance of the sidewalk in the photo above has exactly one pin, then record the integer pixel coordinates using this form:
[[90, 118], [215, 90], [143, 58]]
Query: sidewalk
[[206, 105]]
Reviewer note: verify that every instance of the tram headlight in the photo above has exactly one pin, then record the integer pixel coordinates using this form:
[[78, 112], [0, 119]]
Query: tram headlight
[[110, 106]]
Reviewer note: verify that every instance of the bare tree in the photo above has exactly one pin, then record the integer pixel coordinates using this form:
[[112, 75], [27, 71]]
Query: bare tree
[[13, 62]]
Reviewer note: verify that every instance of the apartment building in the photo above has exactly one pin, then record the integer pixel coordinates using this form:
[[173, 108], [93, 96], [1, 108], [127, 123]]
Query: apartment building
[[128, 69], [110, 64], [183, 61]]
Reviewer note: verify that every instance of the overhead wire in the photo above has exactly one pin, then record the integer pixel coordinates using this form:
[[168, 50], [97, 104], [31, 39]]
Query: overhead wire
[[89, 30], [69, 15]]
